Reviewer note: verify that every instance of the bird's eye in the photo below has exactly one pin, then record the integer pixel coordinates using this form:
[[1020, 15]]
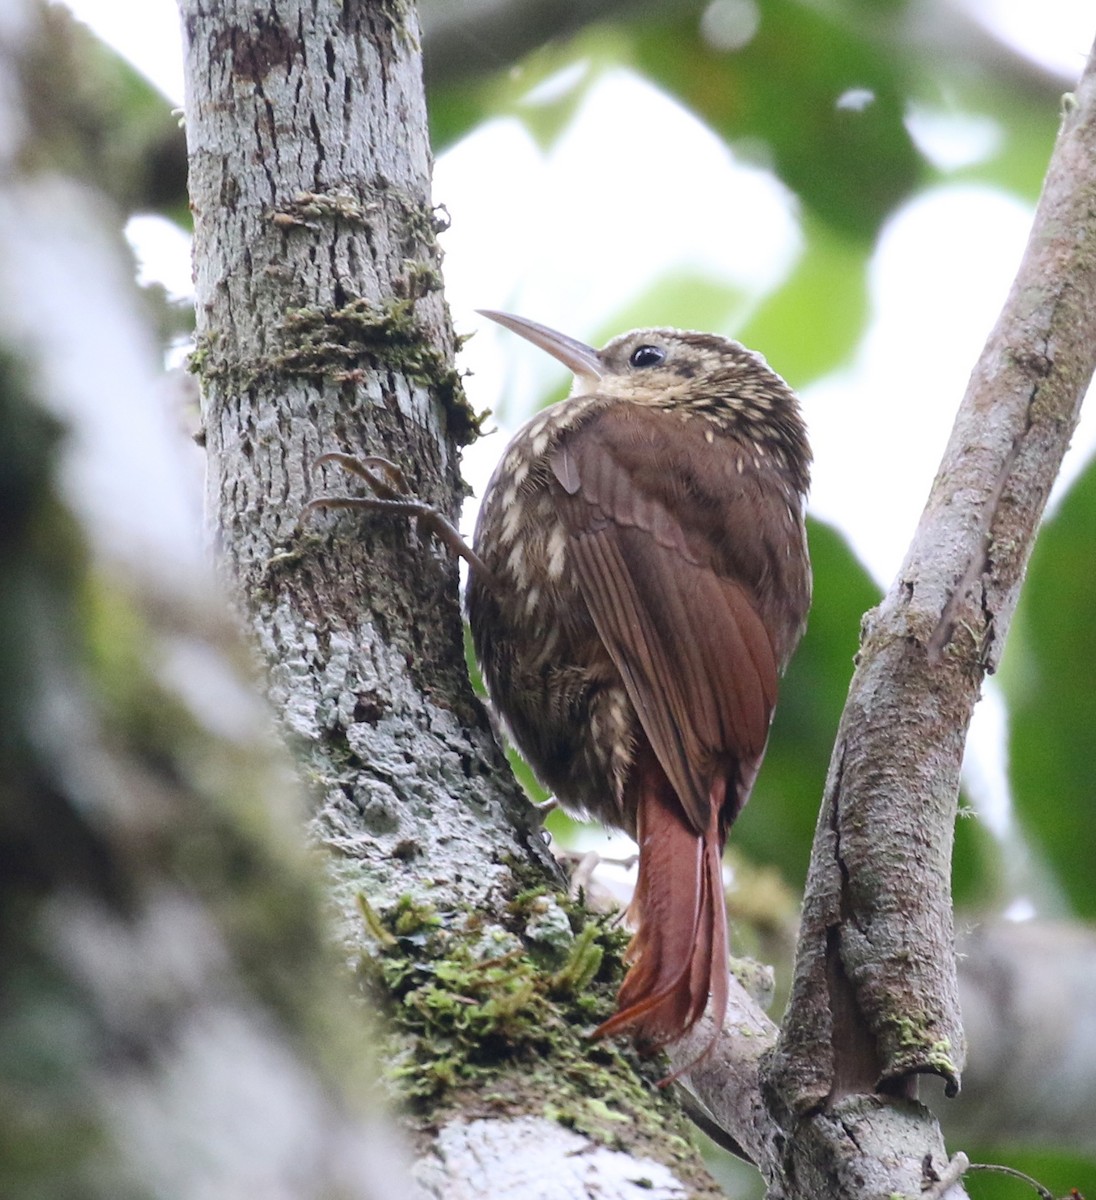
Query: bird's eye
[[647, 356]]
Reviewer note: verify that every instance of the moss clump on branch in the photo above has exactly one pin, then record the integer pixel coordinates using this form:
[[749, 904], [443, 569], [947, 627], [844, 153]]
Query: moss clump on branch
[[344, 343], [917, 1048], [420, 279], [484, 1017], [348, 344], [466, 998], [412, 221], [307, 209]]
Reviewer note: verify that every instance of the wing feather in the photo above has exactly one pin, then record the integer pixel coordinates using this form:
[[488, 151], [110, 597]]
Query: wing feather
[[687, 638]]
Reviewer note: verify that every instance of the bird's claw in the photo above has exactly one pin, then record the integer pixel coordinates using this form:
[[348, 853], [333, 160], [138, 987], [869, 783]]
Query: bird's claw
[[390, 484], [391, 495]]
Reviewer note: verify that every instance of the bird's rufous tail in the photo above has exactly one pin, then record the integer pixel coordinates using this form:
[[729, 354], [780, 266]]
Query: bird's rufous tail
[[678, 954]]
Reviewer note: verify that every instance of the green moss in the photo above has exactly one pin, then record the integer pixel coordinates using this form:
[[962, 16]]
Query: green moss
[[470, 1010], [373, 923], [582, 965], [308, 209], [344, 344], [207, 353], [915, 1048], [480, 1032], [405, 215], [420, 279], [423, 223], [940, 1057], [347, 344], [400, 18]]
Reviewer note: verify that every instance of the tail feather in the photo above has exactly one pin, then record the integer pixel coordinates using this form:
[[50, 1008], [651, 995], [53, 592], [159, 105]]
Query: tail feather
[[678, 955]]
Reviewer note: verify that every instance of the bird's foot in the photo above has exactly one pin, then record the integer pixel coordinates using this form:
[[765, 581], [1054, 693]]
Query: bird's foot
[[392, 496]]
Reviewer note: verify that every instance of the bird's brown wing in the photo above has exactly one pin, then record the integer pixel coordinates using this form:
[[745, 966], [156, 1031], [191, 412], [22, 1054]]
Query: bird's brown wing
[[684, 633]]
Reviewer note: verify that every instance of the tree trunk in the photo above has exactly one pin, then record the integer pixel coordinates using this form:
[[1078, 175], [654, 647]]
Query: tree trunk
[[321, 327], [171, 1021]]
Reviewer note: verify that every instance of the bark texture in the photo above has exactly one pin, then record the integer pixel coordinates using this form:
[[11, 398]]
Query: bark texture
[[321, 327]]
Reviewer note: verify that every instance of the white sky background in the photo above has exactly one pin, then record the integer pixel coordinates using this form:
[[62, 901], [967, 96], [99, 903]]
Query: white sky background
[[526, 238]]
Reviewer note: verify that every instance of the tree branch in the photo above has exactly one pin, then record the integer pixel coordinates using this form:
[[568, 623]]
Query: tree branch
[[875, 1000]]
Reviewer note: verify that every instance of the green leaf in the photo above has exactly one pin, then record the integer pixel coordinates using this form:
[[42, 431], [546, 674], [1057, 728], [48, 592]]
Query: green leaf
[[1047, 676], [812, 324], [790, 93], [778, 824]]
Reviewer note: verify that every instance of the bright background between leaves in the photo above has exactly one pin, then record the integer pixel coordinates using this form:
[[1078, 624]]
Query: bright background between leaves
[[845, 186]]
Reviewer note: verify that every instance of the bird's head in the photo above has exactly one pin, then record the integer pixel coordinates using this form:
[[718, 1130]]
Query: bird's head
[[678, 369]]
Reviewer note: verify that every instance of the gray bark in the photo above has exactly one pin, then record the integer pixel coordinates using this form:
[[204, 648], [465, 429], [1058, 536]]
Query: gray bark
[[321, 327]]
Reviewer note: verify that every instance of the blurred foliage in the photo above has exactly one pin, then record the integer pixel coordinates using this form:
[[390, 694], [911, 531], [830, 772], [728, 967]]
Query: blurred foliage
[[809, 94], [1047, 674], [99, 118], [825, 105], [819, 93], [1064, 1175], [828, 284]]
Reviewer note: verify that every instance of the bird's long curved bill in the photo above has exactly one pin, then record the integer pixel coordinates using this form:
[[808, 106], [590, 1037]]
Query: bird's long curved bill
[[577, 356]]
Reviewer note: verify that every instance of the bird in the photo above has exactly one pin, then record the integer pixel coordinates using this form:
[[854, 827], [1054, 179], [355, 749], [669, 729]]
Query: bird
[[640, 578]]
